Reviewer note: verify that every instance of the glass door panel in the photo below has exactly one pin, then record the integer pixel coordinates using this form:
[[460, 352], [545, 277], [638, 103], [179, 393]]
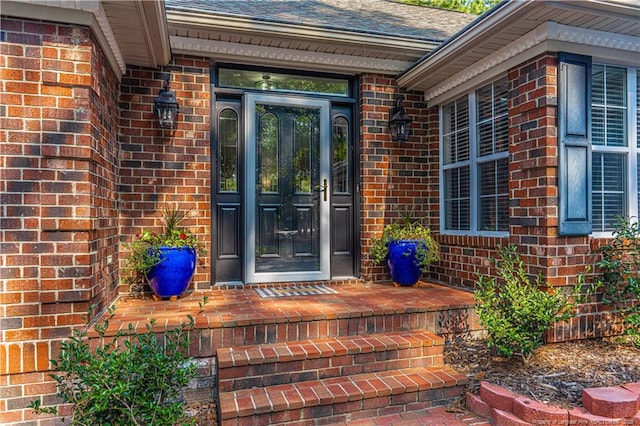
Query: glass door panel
[[287, 189]]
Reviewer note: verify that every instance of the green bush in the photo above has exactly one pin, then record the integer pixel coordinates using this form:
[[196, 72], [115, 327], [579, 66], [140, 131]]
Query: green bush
[[620, 283], [516, 312], [128, 379]]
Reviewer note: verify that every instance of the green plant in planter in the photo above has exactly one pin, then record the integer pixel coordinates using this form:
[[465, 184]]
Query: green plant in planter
[[424, 247], [145, 250]]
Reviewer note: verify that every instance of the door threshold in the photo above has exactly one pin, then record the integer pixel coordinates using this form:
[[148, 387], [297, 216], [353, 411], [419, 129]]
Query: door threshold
[[239, 285]]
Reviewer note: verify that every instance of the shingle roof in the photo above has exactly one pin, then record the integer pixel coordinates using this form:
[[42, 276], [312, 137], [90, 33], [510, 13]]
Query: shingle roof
[[381, 17]]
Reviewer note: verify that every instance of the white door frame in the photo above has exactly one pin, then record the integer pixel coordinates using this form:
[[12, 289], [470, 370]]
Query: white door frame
[[324, 272]]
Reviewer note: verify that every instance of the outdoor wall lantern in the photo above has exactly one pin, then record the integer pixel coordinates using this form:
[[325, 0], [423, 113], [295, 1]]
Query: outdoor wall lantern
[[166, 107], [400, 122]]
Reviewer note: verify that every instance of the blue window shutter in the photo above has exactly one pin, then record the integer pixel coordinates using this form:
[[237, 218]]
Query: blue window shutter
[[574, 144]]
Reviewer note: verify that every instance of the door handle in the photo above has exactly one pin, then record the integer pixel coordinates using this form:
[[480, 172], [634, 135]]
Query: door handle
[[324, 188]]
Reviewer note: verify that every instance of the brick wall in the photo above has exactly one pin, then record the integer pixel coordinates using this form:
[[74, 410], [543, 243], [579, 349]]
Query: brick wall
[[392, 173], [163, 167], [533, 175], [58, 166], [533, 193], [407, 174]]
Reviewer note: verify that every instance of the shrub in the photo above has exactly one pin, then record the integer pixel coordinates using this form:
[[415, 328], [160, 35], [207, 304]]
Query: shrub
[[129, 379], [518, 313], [620, 283]]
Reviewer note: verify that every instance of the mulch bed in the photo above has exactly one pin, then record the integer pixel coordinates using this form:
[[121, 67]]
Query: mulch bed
[[556, 374]]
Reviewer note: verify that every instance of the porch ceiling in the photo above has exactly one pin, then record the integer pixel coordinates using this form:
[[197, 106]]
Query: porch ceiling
[[141, 31], [511, 21], [130, 32]]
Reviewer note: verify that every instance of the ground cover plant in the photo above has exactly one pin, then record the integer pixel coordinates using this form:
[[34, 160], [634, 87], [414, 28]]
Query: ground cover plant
[[128, 379]]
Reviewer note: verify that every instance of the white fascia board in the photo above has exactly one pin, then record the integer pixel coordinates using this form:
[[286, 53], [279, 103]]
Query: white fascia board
[[87, 13], [548, 37], [212, 22], [619, 9], [156, 31], [279, 57]]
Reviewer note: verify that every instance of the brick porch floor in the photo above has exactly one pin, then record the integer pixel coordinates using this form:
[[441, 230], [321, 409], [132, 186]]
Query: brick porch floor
[[239, 316], [228, 308]]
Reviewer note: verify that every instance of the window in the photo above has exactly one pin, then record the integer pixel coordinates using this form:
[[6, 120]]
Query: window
[[340, 155], [614, 90], [261, 80], [228, 170], [475, 149]]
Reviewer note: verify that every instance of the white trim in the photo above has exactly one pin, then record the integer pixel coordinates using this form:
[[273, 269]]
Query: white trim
[[86, 12], [548, 37], [107, 39], [474, 181], [157, 42], [634, 150], [275, 56], [473, 163]]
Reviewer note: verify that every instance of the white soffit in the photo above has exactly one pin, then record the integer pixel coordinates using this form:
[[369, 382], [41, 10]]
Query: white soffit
[[141, 30]]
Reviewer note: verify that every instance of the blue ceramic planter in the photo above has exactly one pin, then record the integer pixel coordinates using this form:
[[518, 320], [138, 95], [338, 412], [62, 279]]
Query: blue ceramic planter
[[171, 277], [402, 262]]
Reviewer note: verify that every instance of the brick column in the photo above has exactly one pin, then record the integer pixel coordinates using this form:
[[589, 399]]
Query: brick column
[[393, 174], [533, 192], [533, 175], [59, 192]]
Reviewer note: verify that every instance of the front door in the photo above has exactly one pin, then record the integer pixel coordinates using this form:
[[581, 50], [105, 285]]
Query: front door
[[287, 188]]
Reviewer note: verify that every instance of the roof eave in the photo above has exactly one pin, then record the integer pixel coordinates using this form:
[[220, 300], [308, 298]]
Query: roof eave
[[224, 22], [157, 31], [416, 76]]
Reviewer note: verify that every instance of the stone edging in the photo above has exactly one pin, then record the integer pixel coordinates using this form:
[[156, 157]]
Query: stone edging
[[619, 405]]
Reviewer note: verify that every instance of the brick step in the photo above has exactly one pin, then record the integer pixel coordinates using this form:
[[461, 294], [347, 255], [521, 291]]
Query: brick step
[[245, 367], [343, 399], [307, 324]]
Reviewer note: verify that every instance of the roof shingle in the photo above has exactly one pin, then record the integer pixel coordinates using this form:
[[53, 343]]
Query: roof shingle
[[381, 17]]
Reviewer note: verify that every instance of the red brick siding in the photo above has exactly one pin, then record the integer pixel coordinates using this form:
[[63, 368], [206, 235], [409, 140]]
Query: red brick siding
[[533, 175], [533, 193], [407, 174], [59, 196], [392, 174], [163, 167]]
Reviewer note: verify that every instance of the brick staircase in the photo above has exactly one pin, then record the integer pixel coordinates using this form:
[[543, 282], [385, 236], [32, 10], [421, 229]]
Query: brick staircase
[[366, 352], [334, 379]]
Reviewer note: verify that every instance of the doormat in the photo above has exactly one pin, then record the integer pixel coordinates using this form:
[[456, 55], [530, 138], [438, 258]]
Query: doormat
[[306, 290]]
